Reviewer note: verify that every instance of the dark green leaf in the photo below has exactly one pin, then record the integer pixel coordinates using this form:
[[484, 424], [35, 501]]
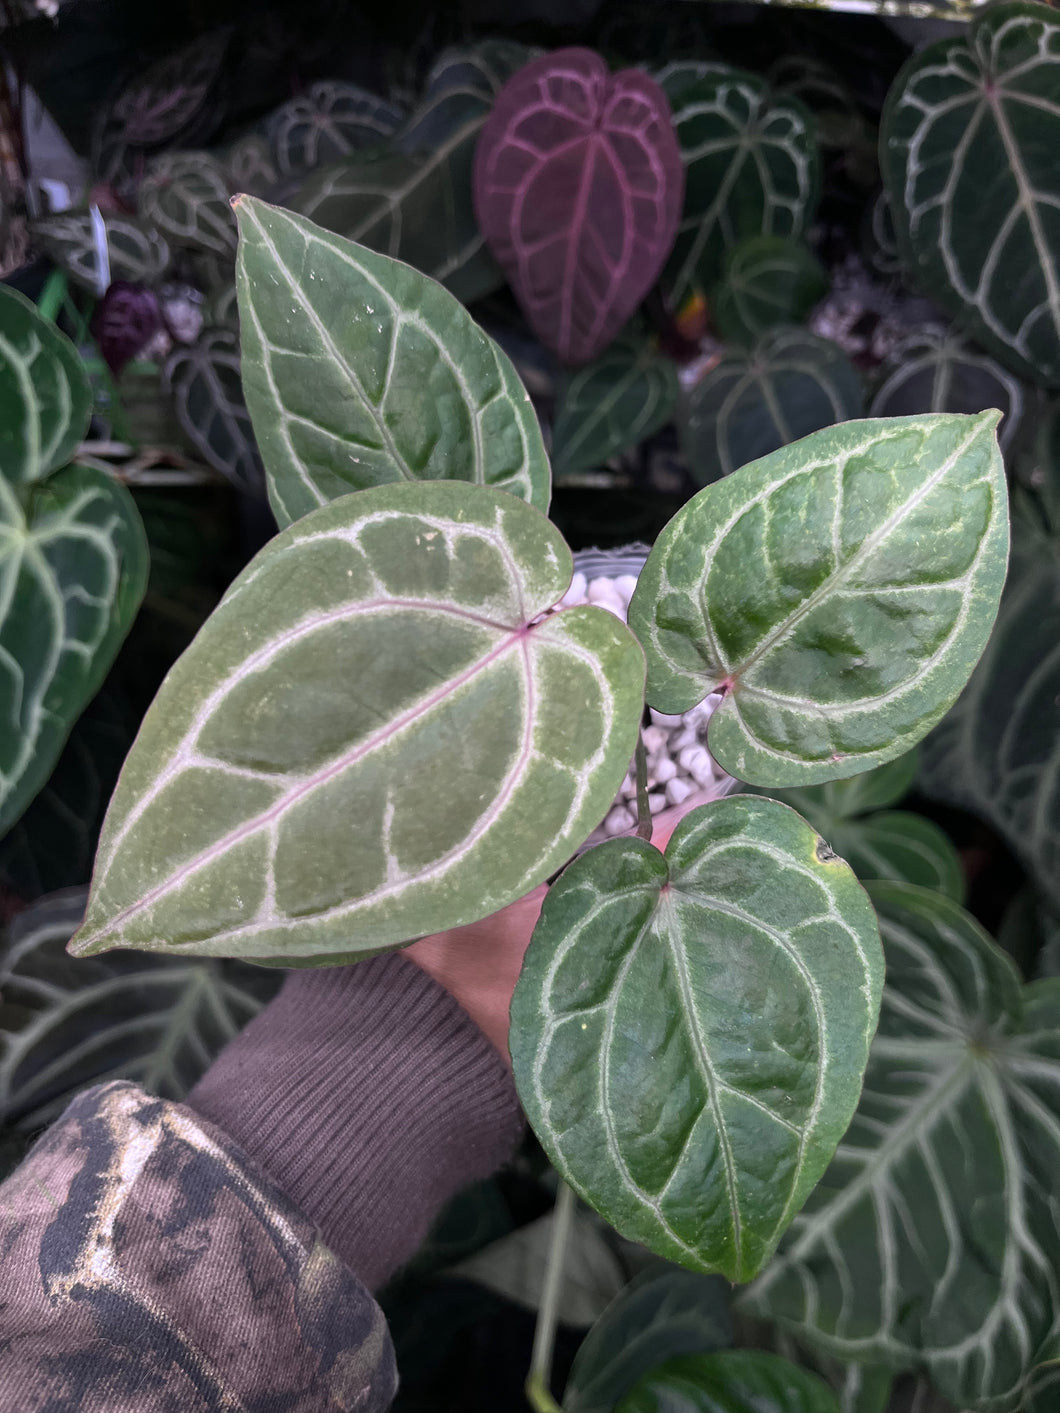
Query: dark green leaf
[[203, 379], [185, 194], [135, 251], [329, 120], [358, 370], [835, 800], [689, 1032], [730, 1381], [371, 738], [838, 592], [903, 846], [45, 398], [751, 403], [621, 398], [768, 281]]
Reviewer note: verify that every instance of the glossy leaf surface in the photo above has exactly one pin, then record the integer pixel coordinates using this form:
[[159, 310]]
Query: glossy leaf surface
[[730, 1381], [368, 740], [73, 568], [327, 121], [751, 169], [689, 1031], [358, 370], [203, 379], [751, 403], [45, 398], [768, 281], [578, 187], [968, 150], [839, 591], [659, 1315], [621, 398], [66, 1023], [960, 1116]]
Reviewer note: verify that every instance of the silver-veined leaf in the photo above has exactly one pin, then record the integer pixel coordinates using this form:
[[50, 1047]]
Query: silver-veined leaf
[[329, 120], [135, 251], [73, 569], [664, 1312], [358, 370], [730, 1381], [203, 380], [751, 169], [750, 403], [968, 149], [45, 397], [838, 800], [768, 281], [689, 1031], [249, 165], [371, 738], [838, 592], [619, 399], [936, 371], [185, 194], [933, 1240], [66, 1024]]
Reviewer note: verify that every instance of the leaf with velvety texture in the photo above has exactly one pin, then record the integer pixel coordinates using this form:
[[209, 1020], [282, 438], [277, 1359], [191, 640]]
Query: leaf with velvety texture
[[932, 1240], [839, 592], [73, 569], [358, 370], [968, 148], [578, 187], [730, 1381], [689, 1031], [45, 398], [370, 739]]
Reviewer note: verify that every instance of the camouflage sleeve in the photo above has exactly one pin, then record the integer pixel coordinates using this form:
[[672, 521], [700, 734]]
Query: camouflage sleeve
[[146, 1266]]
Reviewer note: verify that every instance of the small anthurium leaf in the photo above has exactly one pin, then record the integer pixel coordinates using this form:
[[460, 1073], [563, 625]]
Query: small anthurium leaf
[[73, 566], [823, 805], [371, 738], [664, 1312], [135, 251], [751, 169], [934, 370], [689, 1031], [960, 1114], [838, 592], [45, 396], [203, 379], [730, 1381], [358, 370], [329, 120], [578, 187], [753, 402], [768, 281], [618, 400], [968, 149], [185, 194], [903, 846]]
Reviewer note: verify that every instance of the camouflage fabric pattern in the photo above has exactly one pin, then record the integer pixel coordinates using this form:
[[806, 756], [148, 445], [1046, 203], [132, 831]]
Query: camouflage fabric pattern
[[147, 1267]]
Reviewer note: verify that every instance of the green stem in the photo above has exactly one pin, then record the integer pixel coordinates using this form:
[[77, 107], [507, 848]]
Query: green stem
[[52, 296], [643, 807], [537, 1390]]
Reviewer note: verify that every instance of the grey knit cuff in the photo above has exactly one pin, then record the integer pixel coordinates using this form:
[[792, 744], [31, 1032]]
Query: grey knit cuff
[[370, 1097]]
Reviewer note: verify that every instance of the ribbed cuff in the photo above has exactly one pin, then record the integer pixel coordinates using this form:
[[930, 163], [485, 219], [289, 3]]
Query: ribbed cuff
[[370, 1097]]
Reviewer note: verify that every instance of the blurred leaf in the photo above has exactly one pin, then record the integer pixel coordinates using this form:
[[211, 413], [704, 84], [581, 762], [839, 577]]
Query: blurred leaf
[[329, 120], [136, 251], [204, 382], [729, 1381], [185, 194], [250, 166], [768, 281]]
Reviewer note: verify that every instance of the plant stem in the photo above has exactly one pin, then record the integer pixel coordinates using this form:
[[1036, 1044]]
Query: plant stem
[[537, 1389], [643, 807]]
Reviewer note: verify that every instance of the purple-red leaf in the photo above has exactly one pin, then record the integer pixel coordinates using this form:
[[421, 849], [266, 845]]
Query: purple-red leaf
[[578, 191], [126, 319]]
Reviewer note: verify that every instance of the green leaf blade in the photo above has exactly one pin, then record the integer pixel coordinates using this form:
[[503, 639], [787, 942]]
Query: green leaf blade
[[689, 1031], [839, 592], [730, 1381], [371, 739], [45, 397], [360, 371]]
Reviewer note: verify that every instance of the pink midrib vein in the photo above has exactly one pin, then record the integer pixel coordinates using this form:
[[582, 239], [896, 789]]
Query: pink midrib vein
[[289, 800]]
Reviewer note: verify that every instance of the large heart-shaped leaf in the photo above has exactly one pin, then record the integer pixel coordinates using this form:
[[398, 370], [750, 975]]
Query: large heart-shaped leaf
[[998, 751], [751, 169], [968, 150], [751, 403], [661, 1314], [689, 1032], [185, 194], [934, 370], [730, 1381], [838, 592], [45, 397], [933, 1239], [621, 398], [66, 1024], [578, 187], [135, 251], [370, 738], [329, 120], [358, 370], [73, 568], [768, 281], [203, 379]]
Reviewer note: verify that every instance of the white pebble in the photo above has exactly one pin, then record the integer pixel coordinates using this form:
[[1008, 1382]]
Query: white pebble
[[702, 771], [660, 718], [576, 593], [654, 739], [619, 820], [692, 758], [662, 770], [656, 803], [677, 791], [682, 739], [629, 788], [624, 586]]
